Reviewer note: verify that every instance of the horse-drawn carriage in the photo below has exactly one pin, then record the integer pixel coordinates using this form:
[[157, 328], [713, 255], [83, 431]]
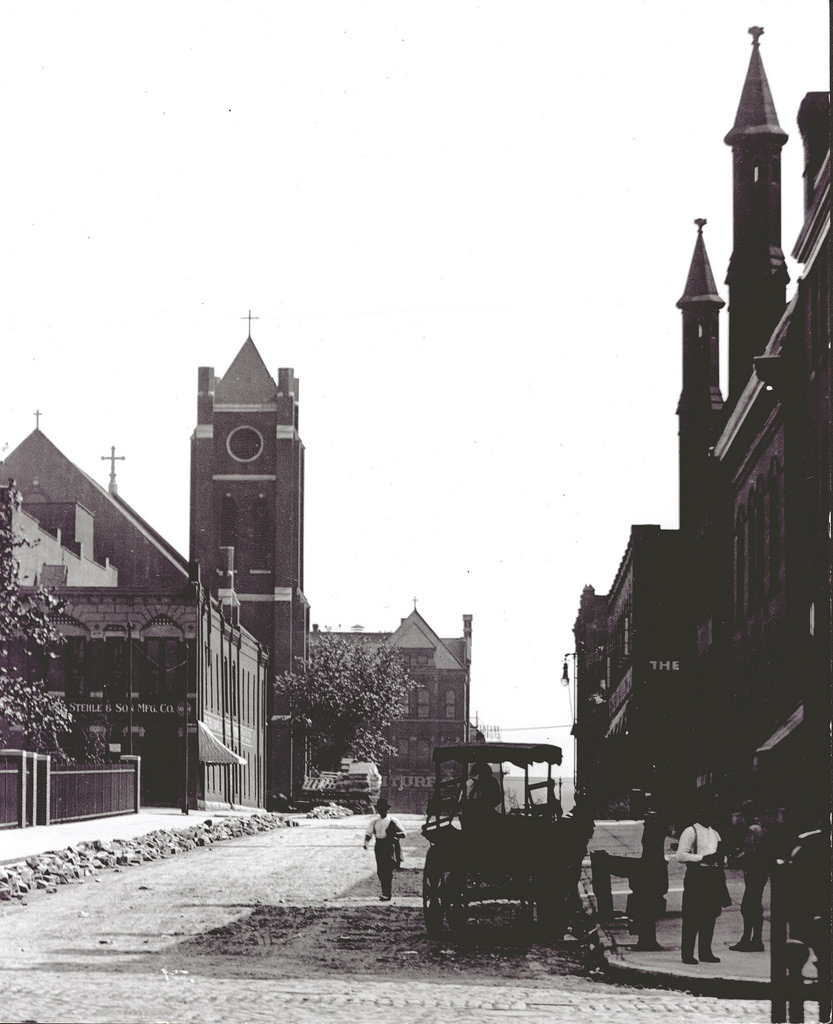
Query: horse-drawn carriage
[[483, 851]]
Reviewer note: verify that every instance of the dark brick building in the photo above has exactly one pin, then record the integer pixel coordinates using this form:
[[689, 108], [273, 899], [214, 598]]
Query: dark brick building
[[247, 522], [754, 557], [150, 665]]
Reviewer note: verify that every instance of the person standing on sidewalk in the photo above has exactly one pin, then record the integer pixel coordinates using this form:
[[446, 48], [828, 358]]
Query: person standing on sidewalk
[[755, 863], [386, 833], [704, 885]]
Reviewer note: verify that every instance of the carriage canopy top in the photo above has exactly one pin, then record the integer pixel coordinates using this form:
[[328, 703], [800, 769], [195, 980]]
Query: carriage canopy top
[[520, 754]]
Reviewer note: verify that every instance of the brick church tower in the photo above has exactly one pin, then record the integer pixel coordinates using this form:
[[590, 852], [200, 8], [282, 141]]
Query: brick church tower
[[700, 409], [757, 276], [247, 519]]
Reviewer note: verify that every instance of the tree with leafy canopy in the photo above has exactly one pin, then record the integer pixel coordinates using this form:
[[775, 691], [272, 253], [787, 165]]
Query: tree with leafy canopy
[[345, 697], [26, 628]]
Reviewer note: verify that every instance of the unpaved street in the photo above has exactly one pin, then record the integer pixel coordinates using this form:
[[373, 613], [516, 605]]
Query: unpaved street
[[286, 926]]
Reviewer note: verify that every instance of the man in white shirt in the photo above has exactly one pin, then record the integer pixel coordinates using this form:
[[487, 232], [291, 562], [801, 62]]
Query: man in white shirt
[[386, 832], [704, 886]]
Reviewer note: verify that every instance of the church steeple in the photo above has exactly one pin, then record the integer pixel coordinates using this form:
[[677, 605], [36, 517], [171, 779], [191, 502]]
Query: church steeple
[[700, 409], [757, 275]]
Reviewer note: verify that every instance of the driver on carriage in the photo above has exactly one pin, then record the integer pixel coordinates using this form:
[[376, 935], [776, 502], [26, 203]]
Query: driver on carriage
[[482, 795]]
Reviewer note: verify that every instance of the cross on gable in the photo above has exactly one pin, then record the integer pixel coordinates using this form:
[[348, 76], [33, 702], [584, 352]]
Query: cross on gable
[[250, 318], [37, 414], [112, 458]]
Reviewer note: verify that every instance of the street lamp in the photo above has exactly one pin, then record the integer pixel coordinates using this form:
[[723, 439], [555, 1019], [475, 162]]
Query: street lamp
[[565, 681]]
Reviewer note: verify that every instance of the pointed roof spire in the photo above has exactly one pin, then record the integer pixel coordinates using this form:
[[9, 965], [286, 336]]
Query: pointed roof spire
[[247, 379], [756, 111], [700, 286]]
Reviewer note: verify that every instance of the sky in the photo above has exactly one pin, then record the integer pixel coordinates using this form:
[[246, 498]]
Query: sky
[[464, 226]]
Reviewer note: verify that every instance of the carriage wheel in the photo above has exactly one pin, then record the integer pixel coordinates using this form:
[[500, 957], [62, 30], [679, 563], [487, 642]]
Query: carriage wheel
[[433, 886], [456, 901]]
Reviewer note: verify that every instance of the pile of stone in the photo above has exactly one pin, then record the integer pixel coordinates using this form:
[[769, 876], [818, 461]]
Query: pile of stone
[[329, 811], [76, 863]]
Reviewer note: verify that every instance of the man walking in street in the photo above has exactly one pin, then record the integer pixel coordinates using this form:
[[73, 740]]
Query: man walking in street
[[386, 833]]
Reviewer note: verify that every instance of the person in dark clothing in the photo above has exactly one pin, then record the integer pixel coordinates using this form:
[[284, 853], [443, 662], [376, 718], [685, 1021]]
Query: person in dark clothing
[[386, 833], [755, 863]]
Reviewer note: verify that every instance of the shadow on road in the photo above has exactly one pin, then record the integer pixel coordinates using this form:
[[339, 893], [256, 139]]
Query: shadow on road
[[361, 938]]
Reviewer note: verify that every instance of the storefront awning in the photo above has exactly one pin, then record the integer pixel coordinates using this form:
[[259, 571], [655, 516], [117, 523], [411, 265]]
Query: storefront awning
[[781, 733], [214, 751]]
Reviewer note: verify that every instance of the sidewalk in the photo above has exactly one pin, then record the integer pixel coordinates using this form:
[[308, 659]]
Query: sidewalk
[[738, 975], [17, 844]]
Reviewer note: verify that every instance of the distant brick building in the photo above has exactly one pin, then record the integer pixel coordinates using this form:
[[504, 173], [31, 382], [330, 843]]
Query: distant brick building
[[438, 710]]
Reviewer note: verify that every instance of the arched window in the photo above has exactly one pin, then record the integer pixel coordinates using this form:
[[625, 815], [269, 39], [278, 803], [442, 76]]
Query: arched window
[[753, 531], [450, 703], [228, 522], [774, 532], [164, 659], [261, 537], [740, 564], [423, 703], [760, 541]]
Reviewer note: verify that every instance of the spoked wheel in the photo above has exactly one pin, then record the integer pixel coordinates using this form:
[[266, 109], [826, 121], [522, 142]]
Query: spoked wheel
[[456, 901], [433, 886]]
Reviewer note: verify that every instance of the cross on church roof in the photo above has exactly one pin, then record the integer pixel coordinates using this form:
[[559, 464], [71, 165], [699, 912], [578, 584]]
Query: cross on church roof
[[250, 318], [37, 414], [112, 458]]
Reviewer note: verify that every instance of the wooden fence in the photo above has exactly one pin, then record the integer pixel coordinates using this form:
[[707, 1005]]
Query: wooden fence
[[33, 792]]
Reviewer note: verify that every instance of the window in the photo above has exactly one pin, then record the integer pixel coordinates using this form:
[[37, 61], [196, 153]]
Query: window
[[245, 444], [423, 703], [450, 704], [740, 565], [165, 671], [67, 672], [228, 522], [424, 751], [774, 533], [260, 533], [115, 671]]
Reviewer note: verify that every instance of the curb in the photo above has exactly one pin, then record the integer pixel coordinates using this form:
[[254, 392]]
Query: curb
[[722, 988], [617, 968]]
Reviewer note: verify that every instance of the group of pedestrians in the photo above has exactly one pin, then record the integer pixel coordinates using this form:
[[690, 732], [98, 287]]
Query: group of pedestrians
[[705, 893], [704, 889]]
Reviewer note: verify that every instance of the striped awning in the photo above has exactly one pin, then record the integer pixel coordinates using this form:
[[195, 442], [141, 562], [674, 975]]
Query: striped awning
[[213, 750], [781, 733], [619, 723]]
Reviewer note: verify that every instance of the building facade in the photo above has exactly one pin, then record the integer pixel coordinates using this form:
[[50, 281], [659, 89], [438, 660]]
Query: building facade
[[150, 665], [438, 709], [631, 724]]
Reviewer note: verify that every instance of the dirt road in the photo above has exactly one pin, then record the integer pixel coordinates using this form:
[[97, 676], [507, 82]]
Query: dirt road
[[286, 925]]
